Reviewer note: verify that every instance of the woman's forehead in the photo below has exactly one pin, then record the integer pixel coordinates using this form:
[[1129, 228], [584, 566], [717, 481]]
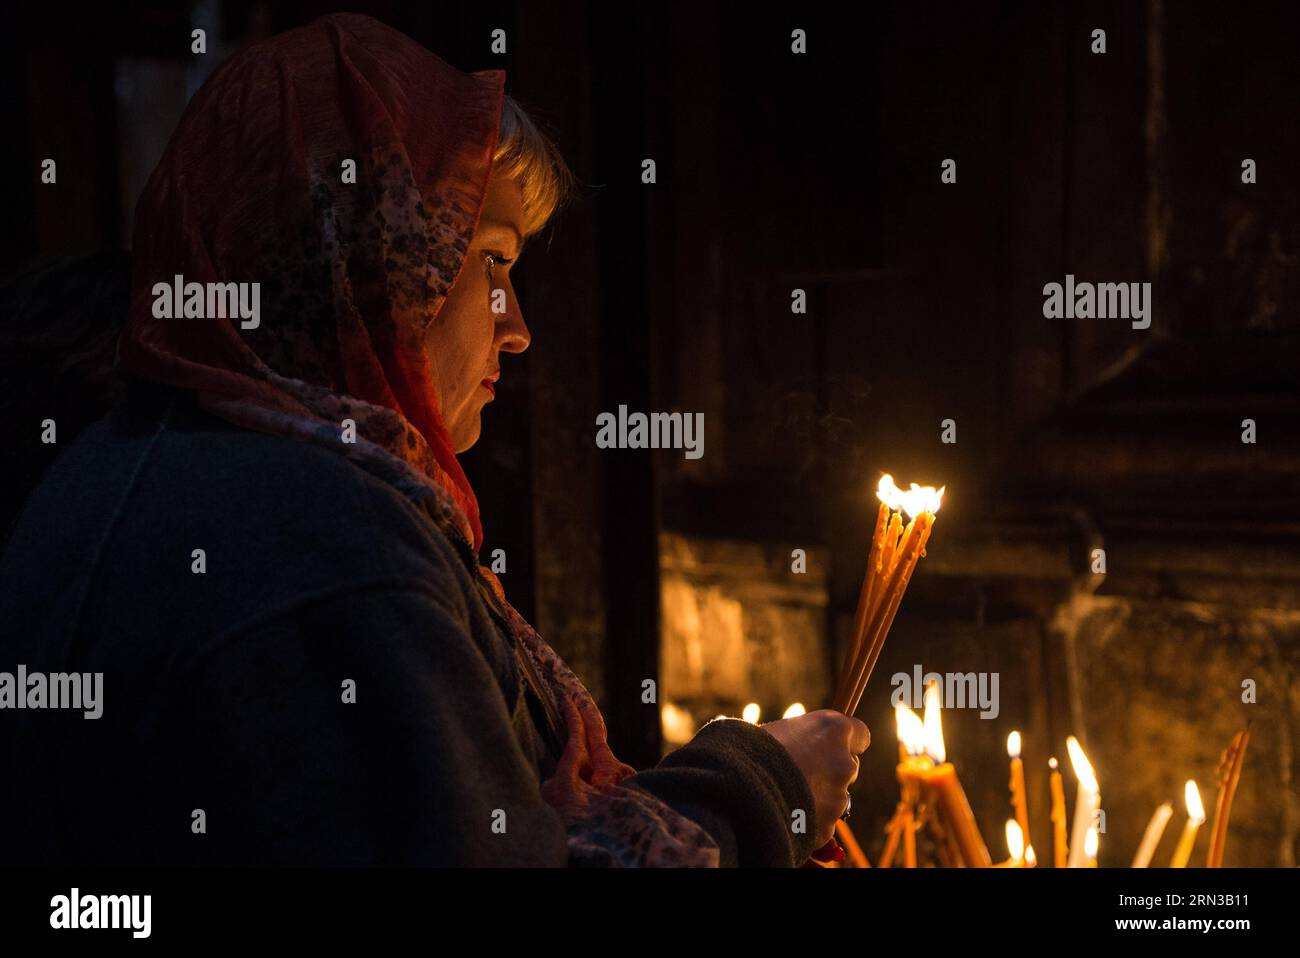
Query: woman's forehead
[[503, 204]]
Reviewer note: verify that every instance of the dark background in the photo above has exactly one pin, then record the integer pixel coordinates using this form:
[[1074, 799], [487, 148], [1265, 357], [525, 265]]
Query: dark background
[[821, 172]]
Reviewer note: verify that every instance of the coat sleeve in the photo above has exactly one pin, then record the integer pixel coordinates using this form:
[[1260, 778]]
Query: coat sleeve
[[741, 786], [363, 728]]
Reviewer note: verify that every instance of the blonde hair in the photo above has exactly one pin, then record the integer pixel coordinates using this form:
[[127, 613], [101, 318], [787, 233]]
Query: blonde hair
[[527, 155]]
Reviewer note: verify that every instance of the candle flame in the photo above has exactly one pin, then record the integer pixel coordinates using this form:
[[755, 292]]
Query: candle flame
[[1192, 796], [913, 501], [794, 711], [933, 726], [1030, 858], [677, 723], [911, 733], [751, 713], [1015, 840], [1051, 763], [1013, 744], [1090, 842], [1082, 767]]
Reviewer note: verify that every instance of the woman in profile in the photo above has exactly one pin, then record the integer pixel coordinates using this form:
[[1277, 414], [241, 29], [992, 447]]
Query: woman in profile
[[269, 549]]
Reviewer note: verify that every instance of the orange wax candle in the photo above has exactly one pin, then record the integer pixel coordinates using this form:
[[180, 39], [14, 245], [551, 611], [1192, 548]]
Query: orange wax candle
[[910, 549], [947, 795], [912, 776], [893, 557], [1018, 802], [1060, 852], [947, 800], [866, 600], [893, 834], [909, 839], [1229, 775], [912, 770], [851, 846], [912, 765]]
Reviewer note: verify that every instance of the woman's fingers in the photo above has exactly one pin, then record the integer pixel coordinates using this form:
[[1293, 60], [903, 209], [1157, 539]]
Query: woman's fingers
[[825, 744], [859, 736]]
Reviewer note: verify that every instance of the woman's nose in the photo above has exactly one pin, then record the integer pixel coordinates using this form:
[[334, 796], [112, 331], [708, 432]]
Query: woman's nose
[[511, 332]]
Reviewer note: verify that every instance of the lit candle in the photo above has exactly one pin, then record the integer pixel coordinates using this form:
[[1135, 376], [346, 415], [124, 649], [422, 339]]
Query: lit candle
[[1087, 801], [1059, 850], [913, 766], [1031, 860], [910, 548], [1090, 848], [894, 554], [1195, 818], [1018, 802], [794, 711], [1151, 837], [751, 713], [1015, 844], [947, 798]]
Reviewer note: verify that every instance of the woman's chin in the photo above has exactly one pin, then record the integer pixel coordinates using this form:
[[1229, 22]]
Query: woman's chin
[[464, 439]]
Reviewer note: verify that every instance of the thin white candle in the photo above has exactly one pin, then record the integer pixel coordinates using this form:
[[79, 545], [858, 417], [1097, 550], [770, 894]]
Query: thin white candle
[[1151, 837], [1087, 801], [1090, 848]]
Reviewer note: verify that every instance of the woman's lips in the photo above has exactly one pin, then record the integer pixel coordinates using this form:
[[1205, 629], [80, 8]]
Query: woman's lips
[[490, 387]]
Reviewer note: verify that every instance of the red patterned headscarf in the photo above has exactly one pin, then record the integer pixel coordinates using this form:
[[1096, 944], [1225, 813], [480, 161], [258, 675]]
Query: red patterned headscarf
[[252, 189], [352, 271]]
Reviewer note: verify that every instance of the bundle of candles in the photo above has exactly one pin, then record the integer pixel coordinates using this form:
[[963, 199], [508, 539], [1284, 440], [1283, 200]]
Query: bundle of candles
[[893, 557], [932, 799]]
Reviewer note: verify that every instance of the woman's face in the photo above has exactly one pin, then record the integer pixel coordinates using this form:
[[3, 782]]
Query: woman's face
[[465, 344]]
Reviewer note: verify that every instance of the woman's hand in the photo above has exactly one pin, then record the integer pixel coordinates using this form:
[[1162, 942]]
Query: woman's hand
[[825, 745]]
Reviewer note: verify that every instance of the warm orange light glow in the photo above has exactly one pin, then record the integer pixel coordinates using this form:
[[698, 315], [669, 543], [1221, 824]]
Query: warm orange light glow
[[933, 726], [751, 713], [1192, 796], [911, 733], [912, 501], [1030, 858], [678, 724], [1013, 744], [1015, 840], [795, 710], [1090, 842], [1082, 767]]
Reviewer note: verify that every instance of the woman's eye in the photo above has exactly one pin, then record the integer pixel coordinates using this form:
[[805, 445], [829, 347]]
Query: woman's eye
[[495, 259]]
